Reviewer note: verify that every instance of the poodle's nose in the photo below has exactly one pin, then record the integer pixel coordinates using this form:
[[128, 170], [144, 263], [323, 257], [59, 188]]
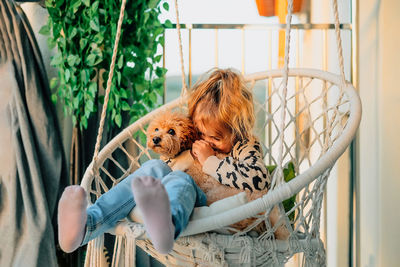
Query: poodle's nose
[[156, 140]]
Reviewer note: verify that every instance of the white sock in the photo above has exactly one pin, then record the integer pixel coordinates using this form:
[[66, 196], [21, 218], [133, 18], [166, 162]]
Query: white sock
[[152, 200], [72, 218]]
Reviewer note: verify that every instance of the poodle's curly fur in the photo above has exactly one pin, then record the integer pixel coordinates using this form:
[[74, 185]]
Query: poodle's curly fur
[[170, 134]]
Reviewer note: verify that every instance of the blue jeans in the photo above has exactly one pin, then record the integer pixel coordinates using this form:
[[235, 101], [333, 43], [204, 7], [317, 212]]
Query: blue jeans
[[117, 203]]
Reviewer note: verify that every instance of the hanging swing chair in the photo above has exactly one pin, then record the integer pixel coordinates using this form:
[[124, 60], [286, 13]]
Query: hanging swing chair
[[309, 117]]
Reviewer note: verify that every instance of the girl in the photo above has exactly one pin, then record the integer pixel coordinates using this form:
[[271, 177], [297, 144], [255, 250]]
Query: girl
[[221, 108]]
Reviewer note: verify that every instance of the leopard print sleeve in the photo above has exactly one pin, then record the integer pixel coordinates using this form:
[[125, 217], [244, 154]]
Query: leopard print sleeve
[[242, 169]]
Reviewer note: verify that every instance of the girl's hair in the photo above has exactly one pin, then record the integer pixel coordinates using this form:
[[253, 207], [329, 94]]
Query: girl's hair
[[224, 97]]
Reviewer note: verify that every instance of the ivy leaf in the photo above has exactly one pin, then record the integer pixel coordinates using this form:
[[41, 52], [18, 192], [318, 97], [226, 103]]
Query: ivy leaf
[[67, 75], [75, 103], [153, 4], [140, 88], [95, 7], [120, 61], [72, 32], [86, 2], [84, 122], [45, 30], [118, 120], [53, 83], [166, 6], [90, 105], [90, 60], [119, 77], [94, 24], [56, 60], [123, 93], [92, 89], [168, 24], [54, 98], [72, 60], [75, 6], [51, 43], [98, 38], [125, 106]]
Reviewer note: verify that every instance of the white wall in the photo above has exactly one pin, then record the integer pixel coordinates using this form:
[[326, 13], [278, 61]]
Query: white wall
[[379, 139]]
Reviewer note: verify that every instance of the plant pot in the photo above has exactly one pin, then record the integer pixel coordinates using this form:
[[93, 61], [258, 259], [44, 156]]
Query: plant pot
[[268, 8]]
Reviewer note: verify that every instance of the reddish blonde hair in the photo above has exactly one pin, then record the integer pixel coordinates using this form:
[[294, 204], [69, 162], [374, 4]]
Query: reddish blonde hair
[[223, 96]]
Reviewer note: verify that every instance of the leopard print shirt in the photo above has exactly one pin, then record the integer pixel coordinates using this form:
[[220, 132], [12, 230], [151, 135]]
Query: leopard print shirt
[[243, 168]]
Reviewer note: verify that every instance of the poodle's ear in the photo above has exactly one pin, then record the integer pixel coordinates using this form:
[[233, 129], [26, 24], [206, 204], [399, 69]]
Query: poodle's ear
[[189, 134]]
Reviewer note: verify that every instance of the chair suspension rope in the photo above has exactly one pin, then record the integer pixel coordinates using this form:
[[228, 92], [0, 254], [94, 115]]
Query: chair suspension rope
[[338, 40], [108, 88], [178, 28], [278, 176]]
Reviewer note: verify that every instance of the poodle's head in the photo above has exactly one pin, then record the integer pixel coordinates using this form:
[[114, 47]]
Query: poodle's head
[[170, 133]]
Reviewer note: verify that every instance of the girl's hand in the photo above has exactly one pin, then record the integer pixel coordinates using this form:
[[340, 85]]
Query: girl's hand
[[202, 150]]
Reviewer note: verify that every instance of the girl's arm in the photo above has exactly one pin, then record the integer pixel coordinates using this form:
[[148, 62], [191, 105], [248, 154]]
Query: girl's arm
[[244, 169]]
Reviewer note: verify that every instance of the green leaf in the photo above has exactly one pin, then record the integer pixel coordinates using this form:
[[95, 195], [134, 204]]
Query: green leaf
[[53, 83], [82, 43], [75, 5], [51, 43], [84, 122], [67, 75], [153, 3], [158, 58], [95, 7], [119, 77], [90, 105], [153, 97], [45, 30], [98, 38], [71, 60], [168, 24], [124, 93], [94, 24], [75, 103], [140, 88], [72, 32], [118, 120], [86, 2], [166, 6], [90, 60], [120, 61], [56, 60], [125, 106], [54, 98], [92, 89]]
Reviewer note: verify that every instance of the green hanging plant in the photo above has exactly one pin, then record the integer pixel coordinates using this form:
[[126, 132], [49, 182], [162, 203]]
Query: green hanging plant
[[84, 33]]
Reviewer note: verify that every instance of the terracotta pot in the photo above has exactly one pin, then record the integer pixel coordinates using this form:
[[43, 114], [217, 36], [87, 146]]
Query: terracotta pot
[[268, 8]]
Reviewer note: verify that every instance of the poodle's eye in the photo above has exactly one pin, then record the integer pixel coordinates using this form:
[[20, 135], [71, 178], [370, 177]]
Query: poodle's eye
[[171, 131], [156, 129]]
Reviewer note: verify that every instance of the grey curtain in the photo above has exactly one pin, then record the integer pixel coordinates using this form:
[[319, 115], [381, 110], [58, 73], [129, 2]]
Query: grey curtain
[[32, 165]]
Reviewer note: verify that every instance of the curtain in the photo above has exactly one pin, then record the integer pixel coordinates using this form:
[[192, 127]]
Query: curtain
[[32, 164]]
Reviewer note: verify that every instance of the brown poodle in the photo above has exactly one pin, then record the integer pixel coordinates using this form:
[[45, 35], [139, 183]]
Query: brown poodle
[[171, 135]]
